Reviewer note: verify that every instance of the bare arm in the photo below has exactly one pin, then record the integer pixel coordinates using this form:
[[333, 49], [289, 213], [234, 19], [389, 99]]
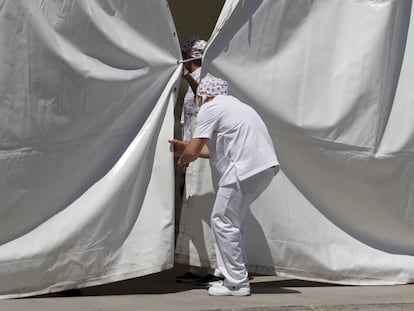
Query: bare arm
[[178, 145], [190, 151], [191, 81]]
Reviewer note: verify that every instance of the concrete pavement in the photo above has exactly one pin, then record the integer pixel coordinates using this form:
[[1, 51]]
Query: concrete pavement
[[161, 292]]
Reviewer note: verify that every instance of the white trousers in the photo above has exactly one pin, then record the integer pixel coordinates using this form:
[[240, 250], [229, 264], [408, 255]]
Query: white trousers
[[227, 218]]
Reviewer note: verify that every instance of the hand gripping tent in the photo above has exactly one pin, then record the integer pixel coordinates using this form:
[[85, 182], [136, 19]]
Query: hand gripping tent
[[87, 91]]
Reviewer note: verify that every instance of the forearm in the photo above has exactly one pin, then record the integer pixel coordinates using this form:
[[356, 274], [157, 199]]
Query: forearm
[[192, 155], [188, 157], [192, 151], [192, 82]]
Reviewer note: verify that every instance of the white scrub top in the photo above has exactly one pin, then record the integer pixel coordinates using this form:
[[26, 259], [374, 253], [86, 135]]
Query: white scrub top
[[190, 109], [239, 142]]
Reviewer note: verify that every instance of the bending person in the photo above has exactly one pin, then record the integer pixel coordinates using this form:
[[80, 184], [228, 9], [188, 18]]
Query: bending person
[[238, 144]]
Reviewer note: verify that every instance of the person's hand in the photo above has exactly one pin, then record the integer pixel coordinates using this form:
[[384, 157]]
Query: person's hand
[[181, 163], [178, 145], [186, 72]]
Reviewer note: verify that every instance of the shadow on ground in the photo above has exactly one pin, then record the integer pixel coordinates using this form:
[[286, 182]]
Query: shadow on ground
[[164, 283]]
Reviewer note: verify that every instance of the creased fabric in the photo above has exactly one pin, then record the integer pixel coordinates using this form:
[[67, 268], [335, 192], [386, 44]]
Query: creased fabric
[[87, 90], [332, 80]]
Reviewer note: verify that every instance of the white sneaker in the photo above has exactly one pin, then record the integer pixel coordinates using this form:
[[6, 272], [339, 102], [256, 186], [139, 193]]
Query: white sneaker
[[216, 283], [222, 290]]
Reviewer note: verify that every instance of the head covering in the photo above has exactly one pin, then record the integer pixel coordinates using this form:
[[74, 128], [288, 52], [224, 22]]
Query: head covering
[[198, 48], [211, 86], [194, 46]]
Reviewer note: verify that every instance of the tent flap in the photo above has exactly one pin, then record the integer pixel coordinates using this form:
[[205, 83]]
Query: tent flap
[[330, 79], [87, 93]]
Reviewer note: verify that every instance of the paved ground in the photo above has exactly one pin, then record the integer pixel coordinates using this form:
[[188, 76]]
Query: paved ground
[[161, 292]]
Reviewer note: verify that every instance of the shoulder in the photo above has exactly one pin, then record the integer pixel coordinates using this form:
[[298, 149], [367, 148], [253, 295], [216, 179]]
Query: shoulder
[[206, 109], [226, 98], [227, 102]]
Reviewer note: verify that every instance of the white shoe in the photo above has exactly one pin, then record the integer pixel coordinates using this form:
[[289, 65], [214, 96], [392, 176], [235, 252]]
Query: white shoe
[[216, 283], [223, 290]]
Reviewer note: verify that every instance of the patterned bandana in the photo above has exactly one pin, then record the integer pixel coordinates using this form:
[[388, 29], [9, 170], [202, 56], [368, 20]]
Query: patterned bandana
[[211, 86], [194, 47], [198, 48]]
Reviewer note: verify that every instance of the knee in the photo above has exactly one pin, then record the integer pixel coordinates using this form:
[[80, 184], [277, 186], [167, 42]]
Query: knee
[[216, 222], [219, 222]]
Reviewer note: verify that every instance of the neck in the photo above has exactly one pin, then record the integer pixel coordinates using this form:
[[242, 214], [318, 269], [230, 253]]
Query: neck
[[208, 99]]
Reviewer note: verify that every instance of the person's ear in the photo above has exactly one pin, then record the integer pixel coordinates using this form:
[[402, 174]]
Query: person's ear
[[199, 100]]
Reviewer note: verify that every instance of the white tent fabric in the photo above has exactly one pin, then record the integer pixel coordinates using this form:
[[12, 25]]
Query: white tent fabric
[[333, 82], [87, 91]]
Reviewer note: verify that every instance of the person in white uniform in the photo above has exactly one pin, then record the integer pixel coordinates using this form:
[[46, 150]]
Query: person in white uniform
[[238, 144], [193, 48]]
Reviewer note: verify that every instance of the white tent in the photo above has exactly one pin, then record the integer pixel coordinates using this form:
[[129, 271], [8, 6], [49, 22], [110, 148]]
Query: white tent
[[87, 94], [86, 107], [332, 81]]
